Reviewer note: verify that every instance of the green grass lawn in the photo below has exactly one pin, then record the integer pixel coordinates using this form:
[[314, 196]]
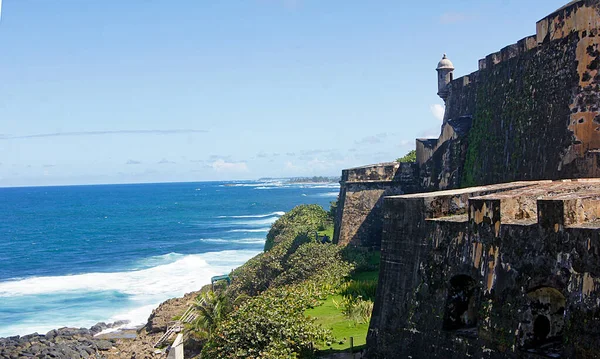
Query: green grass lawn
[[342, 328], [327, 231], [330, 317], [365, 276]]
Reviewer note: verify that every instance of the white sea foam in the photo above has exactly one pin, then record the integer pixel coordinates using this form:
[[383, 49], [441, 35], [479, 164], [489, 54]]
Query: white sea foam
[[143, 289], [278, 186], [327, 194], [242, 241], [135, 317], [186, 273], [257, 222], [321, 185], [278, 213], [158, 260], [261, 184], [254, 230]]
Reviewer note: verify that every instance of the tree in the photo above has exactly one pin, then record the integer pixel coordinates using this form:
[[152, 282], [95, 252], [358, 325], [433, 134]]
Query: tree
[[211, 308], [305, 218]]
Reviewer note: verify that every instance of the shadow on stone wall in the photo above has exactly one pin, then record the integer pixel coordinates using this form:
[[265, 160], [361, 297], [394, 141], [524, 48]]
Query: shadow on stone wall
[[360, 219]]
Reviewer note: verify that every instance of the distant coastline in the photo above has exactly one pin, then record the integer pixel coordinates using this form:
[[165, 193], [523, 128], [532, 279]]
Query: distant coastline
[[301, 180]]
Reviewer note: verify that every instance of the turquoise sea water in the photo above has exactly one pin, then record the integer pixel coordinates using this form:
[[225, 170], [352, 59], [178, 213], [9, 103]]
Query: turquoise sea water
[[78, 255]]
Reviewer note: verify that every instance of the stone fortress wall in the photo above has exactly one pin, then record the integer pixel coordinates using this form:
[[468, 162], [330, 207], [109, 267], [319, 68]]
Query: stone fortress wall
[[500, 271], [531, 112], [507, 269], [360, 206]]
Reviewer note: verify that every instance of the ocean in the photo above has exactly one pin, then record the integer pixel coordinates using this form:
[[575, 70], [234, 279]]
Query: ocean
[[78, 255]]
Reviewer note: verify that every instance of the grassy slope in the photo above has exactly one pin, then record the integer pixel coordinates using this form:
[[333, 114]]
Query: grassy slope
[[330, 317], [328, 231], [342, 328]]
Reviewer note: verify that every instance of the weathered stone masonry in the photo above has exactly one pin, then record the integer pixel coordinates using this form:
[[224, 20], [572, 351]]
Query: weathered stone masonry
[[362, 191], [501, 271], [531, 111], [534, 106]]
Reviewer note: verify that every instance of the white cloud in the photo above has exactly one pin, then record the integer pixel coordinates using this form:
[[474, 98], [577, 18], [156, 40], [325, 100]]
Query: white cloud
[[372, 140], [223, 166], [455, 17], [318, 164], [290, 166], [103, 133], [433, 132], [438, 111]]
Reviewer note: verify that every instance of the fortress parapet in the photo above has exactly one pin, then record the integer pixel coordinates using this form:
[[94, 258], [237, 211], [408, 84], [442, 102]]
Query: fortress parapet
[[531, 112], [362, 190], [490, 241], [534, 105], [500, 271]]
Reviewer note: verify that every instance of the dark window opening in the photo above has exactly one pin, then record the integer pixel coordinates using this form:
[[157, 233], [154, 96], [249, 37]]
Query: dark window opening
[[460, 312], [541, 329]]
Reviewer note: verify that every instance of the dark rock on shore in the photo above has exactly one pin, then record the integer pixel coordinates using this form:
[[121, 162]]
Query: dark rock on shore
[[82, 343], [63, 343]]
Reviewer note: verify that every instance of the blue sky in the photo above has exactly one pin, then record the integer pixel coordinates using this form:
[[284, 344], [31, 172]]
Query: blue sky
[[113, 91]]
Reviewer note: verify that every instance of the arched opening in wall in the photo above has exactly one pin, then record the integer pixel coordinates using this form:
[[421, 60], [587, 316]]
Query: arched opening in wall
[[541, 328], [460, 313]]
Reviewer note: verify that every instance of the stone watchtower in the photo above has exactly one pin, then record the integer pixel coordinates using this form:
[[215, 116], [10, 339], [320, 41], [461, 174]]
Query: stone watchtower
[[444, 70]]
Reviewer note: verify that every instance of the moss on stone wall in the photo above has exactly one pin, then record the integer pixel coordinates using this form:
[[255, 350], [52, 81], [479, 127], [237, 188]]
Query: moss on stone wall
[[521, 113]]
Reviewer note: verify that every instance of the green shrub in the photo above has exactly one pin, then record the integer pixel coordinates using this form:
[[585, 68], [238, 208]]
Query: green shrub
[[410, 157], [366, 289], [271, 325], [364, 260], [303, 218], [312, 259], [256, 275], [356, 309], [274, 289]]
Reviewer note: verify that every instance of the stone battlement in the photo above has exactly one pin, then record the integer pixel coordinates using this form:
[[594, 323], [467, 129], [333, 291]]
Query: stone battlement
[[532, 112], [381, 172], [534, 105], [498, 271], [578, 16], [362, 190], [526, 44], [490, 241]]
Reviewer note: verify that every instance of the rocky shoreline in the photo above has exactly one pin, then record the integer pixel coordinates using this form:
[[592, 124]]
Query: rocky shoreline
[[67, 343], [83, 343]]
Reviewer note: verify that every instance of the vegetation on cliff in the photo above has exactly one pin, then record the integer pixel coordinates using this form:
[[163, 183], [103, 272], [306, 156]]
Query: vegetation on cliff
[[410, 157], [303, 220], [264, 312]]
